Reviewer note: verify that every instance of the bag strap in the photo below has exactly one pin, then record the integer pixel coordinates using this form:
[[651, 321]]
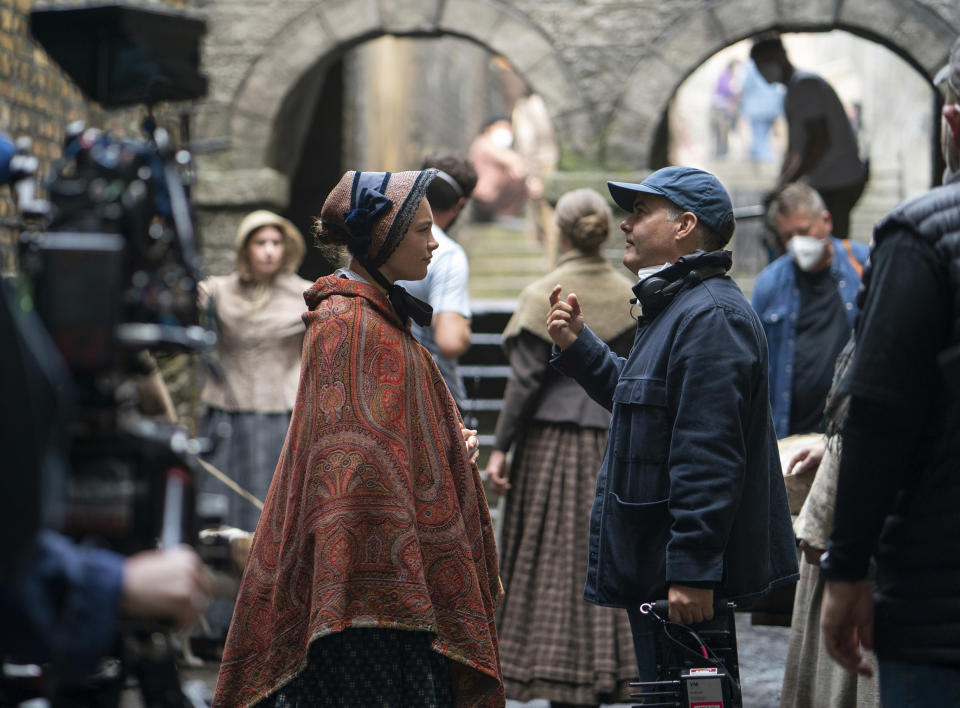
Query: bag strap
[[857, 265]]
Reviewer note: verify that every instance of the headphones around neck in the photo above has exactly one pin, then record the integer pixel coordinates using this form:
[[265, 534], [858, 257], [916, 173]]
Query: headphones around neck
[[655, 292]]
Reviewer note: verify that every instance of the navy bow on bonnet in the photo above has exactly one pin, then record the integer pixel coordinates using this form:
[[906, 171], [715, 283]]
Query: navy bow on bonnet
[[368, 203]]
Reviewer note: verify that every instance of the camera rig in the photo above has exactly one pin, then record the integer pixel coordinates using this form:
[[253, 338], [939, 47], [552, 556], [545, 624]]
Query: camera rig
[[697, 667], [112, 267]]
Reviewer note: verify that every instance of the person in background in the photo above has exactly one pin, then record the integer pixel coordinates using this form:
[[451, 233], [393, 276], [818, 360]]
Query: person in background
[[501, 173], [554, 644], [898, 492], [257, 314], [724, 108], [445, 288], [536, 143], [806, 302], [761, 104], [373, 578], [821, 148], [811, 677]]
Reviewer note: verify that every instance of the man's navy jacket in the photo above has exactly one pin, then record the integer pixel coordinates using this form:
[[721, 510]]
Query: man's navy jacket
[[690, 490]]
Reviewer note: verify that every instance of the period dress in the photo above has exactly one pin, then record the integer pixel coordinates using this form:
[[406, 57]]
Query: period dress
[[375, 536], [554, 644]]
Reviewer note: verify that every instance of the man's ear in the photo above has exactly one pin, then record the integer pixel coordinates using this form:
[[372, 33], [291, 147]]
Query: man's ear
[[686, 225], [828, 221]]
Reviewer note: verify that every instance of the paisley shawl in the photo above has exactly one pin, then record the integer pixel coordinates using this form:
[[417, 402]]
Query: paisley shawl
[[375, 518]]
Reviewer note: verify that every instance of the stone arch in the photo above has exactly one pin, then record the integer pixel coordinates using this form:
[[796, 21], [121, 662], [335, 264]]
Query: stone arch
[[327, 30], [914, 32]]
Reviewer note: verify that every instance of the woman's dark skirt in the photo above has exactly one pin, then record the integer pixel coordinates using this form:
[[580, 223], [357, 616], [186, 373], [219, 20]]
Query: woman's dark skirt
[[369, 668], [248, 457]]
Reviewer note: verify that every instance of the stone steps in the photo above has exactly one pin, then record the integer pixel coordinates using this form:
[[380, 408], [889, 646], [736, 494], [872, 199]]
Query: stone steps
[[503, 259]]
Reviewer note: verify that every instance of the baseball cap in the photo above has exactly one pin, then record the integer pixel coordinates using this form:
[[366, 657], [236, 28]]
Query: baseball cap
[[689, 188], [950, 72]]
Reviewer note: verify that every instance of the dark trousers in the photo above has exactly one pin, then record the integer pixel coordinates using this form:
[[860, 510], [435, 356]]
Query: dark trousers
[[839, 203]]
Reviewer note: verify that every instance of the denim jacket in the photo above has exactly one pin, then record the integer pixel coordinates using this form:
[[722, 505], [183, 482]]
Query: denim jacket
[[776, 298], [690, 488]]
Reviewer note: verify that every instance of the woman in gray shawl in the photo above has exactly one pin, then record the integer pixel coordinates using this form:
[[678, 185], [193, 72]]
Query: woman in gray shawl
[[553, 644]]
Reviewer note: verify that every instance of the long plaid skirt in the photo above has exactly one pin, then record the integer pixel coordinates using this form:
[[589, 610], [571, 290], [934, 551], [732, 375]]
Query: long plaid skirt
[[553, 644]]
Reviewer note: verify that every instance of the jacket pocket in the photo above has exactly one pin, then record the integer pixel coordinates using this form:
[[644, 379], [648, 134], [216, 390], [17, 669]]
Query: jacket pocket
[[774, 315], [633, 551], [642, 432]]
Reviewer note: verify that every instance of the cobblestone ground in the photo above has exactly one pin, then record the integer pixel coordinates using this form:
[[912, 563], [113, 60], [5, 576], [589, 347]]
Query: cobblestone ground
[[762, 650]]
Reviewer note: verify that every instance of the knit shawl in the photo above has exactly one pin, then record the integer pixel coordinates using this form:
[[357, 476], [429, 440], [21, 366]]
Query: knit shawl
[[375, 518], [604, 296]]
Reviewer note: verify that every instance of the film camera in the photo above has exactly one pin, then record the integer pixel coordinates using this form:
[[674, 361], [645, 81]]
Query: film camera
[[112, 267]]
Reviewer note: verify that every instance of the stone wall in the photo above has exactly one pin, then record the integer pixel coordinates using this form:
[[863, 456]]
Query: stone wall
[[606, 69]]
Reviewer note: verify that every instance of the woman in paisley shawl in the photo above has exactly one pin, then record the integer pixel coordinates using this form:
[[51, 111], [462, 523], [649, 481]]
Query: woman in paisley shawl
[[556, 645], [373, 577]]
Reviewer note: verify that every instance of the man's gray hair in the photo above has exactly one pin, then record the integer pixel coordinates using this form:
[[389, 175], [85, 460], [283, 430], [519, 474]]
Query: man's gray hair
[[796, 196], [707, 238]]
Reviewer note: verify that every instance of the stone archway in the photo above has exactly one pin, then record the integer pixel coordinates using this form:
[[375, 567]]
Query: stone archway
[[308, 39], [607, 71], [914, 32]]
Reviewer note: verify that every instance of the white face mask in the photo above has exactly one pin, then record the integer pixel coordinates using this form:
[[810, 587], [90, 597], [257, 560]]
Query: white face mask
[[502, 137], [807, 251]]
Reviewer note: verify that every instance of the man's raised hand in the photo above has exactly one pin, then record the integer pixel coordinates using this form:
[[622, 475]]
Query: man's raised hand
[[564, 321]]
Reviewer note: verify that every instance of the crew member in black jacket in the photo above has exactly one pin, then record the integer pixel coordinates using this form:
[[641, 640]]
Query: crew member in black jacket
[[898, 496]]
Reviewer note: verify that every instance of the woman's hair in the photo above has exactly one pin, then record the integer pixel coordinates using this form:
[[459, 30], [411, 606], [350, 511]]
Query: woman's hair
[[583, 216], [333, 243]]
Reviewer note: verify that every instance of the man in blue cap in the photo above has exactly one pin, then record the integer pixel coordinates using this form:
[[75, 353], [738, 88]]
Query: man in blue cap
[[690, 503]]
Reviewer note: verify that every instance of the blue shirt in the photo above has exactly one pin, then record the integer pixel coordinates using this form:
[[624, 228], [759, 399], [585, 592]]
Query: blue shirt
[[445, 289], [690, 488], [776, 299]]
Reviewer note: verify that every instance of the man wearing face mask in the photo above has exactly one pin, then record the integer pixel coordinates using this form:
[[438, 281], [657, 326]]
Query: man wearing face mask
[[821, 147], [806, 302]]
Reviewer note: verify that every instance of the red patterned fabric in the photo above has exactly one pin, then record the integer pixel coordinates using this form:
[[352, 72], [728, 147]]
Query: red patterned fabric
[[375, 518]]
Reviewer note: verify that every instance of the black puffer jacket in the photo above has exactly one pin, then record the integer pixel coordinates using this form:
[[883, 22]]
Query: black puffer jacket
[[898, 496]]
